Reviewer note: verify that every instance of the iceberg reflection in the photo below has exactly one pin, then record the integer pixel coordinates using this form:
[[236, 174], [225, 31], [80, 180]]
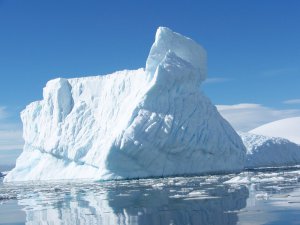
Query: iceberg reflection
[[146, 202]]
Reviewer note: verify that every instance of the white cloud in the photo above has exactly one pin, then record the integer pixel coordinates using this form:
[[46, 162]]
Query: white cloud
[[11, 140], [246, 116], [3, 113], [216, 80], [10, 133], [292, 101], [281, 72]]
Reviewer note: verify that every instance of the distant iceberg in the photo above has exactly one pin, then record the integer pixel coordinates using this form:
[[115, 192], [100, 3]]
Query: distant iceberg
[[263, 151], [130, 124], [288, 128]]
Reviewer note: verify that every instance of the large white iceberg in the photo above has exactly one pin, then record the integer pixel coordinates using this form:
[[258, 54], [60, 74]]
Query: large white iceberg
[[129, 124]]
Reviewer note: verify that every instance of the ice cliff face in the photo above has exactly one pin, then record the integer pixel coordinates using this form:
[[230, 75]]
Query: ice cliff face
[[129, 124], [263, 151]]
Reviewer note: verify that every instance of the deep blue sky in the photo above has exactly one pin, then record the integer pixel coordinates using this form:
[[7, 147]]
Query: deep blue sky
[[253, 46]]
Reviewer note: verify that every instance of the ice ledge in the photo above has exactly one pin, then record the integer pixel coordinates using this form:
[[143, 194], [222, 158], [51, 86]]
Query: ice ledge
[[165, 41]]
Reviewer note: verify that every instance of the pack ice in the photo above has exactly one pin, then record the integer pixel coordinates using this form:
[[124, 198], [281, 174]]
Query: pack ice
[[141, 123]]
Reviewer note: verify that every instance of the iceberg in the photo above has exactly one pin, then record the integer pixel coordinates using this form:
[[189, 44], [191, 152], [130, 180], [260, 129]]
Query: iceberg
[[151, 122], [264, 151], [288, 128]]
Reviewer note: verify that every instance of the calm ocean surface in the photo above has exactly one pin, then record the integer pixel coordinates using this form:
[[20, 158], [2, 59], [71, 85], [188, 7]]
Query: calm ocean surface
[[248, 198]]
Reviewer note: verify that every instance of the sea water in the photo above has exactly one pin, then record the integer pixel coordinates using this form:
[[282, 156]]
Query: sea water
[[256, 197]]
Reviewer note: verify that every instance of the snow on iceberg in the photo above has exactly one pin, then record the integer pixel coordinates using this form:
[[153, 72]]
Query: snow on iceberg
[[288, 128], [130, 124], [263, 151]]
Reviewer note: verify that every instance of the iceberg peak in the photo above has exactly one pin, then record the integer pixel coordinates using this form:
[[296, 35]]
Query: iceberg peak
[[185, 48]]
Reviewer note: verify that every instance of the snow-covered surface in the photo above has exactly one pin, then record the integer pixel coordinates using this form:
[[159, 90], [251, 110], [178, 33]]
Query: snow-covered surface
[[286, 128], [129, 124], [263, 151]]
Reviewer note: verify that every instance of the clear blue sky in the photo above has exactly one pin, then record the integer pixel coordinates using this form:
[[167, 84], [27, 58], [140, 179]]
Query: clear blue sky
[[253, 45]]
